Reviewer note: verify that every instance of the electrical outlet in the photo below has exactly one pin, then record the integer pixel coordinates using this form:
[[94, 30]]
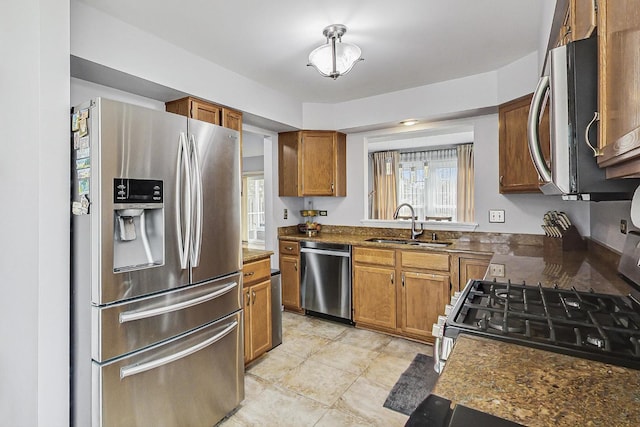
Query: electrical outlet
[[496, 215], [286, 213], [623, 226], [496, 270], [322, 213]]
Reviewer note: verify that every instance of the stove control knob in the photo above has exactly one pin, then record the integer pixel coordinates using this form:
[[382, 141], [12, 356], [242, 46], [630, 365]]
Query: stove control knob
[[447, 309], [455, 297], [437, 330]]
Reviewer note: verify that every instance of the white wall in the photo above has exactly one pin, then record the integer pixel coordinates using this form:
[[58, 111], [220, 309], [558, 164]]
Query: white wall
[[106, 41], [518, 78], [426, 103], [34, 243], [605, 223], [82, 90], [548, 8], [253, 164], [523, 212]]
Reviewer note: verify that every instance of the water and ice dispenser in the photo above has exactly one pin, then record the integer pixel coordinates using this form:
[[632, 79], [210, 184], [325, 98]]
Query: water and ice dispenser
[[138, 213]]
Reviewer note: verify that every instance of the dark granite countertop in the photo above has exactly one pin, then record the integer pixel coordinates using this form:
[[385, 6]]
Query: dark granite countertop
[[523, 256], [539, 388]]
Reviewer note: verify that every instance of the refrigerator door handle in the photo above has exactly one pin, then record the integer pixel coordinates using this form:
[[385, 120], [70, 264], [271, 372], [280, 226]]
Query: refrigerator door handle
[[130, 316], [197, 182], [182, 165], [130, 370]]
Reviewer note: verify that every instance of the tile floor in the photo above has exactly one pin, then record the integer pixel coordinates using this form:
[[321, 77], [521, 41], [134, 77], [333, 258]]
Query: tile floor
[[325, 374]]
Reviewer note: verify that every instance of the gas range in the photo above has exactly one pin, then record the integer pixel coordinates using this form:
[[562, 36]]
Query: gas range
[[595, 326]]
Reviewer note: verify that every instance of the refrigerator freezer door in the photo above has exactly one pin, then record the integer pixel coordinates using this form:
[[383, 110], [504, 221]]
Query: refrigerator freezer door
[[127, 141], [195, 379], [130, 326], [218, 228]]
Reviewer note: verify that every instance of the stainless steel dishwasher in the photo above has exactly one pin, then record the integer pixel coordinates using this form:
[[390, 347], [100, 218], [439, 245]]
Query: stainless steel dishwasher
[[326, 279]]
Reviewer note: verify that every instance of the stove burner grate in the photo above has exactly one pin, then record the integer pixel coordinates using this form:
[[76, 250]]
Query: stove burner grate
[[512, 326]]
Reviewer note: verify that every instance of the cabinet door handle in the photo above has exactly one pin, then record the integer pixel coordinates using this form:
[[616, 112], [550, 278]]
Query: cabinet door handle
[[253, 294], [501, 179], [332, 188], [295, 266], [392, 278], [248, 298], [403, 280]]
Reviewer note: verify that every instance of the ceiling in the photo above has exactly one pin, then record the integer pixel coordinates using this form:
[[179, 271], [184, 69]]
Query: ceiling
[[405, 44]]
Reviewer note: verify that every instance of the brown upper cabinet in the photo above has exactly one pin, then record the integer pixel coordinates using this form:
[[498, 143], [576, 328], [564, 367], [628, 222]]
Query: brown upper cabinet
[[312, 163], [231, 119], [583, 18], [618, 87], [517, 173], [578, 23], [206, 111]]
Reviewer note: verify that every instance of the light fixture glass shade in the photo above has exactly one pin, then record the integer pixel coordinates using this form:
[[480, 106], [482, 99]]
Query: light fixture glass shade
[[345, 55]]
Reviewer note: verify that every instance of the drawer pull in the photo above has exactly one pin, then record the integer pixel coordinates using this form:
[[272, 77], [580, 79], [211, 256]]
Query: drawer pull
[[129, 316], [251, 273], [289, 248], [127, 371]]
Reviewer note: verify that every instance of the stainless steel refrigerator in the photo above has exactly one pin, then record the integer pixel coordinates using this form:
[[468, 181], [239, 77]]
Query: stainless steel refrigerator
[[156, 253]]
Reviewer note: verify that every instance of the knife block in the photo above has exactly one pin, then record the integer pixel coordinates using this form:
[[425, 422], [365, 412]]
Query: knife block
[[571, 240]]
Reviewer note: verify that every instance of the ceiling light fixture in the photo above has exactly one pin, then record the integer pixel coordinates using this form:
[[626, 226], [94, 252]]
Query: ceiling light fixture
[[334, 59], [409, 122]]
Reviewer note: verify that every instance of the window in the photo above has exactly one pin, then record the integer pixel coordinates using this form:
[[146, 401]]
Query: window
[[437, 183], [254, 219], [427, 180]]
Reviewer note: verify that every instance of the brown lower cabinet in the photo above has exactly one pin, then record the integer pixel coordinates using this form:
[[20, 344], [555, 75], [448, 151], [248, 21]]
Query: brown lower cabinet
[[466, 267], [374, 296], [290, 275], [257, 308], [399, 292], [424, 296]]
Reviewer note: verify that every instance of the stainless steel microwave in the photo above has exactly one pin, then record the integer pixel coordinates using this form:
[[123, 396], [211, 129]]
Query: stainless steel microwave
[[570, 82]]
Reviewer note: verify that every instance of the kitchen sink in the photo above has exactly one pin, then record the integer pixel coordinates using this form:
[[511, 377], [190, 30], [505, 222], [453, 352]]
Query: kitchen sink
[[426, 244]]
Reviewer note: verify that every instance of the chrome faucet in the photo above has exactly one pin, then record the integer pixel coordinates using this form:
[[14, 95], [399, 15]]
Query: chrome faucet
[[414, 233]]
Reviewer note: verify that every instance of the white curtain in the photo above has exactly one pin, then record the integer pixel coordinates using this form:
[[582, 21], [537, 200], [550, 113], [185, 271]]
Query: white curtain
[[428, 181], [466, 190]]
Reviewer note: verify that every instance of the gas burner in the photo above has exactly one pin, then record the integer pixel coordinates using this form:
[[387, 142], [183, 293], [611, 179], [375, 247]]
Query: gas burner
[[503, 295], [596, 326], [513, 325], [575, 304]]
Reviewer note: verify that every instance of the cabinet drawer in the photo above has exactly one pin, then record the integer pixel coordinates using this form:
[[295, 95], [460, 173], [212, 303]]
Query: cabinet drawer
[[256, 271], [375, 256], [425, 260], [289, 247]]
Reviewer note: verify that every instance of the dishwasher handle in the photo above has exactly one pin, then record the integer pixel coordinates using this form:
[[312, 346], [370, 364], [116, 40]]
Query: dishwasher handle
[[325, 252]]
